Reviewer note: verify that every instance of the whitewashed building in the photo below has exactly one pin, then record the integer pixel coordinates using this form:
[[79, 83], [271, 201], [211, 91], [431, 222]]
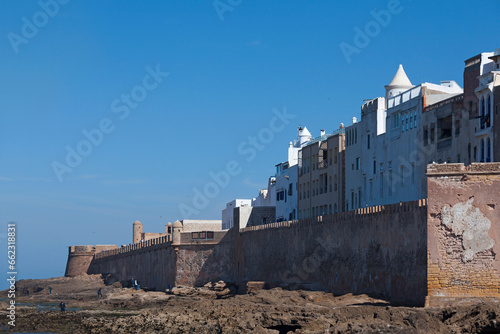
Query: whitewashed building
[[384, 155], [227, 213]]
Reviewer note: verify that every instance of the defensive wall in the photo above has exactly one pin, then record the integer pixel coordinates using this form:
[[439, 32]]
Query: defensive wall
[[380, 251], [434, 252], [159, 262], [463, 233]]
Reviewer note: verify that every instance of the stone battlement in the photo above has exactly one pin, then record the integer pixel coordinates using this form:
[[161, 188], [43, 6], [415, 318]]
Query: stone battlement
[[345, 216], [474, 168]]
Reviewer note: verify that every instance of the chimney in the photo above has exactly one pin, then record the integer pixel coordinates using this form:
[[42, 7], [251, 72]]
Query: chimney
[[322, 132]]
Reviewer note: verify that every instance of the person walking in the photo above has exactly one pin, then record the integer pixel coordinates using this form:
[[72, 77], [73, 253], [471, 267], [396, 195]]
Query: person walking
[[50, 290], [99, 293], [63, 306]]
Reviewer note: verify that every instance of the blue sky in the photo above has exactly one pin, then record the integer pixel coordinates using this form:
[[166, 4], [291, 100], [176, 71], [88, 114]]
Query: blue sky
[[225, 78]]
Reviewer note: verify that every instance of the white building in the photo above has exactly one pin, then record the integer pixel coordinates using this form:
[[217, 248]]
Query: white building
[[384, 156], [227, 213]]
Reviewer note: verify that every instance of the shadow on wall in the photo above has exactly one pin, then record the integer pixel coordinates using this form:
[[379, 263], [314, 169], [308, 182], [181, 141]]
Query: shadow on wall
[[208, 263]]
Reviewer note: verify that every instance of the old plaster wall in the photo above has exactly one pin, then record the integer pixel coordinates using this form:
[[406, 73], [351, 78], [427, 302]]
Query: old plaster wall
[[463, 233], [380, 251]]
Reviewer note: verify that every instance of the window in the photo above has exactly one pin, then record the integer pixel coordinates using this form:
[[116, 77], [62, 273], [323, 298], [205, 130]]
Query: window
[[488, 150], [403, 123], [368, 141], [415, 119], [374, 167], [396, 118], [314, 161], [355, 135], [352, 199], [335, 187], [290, 189], [426, 135], [330, 183], [444, 127], [330, 157], [469, 152], [359, 198], [482, 113], [194, 235], [358, 163], [335, 157], [406, 122], [432, 133], [411, 120], [482, 150], [475, 153], [488, 112]]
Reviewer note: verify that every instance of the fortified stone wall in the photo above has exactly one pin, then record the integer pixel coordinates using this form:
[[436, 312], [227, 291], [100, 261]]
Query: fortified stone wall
[[463, 233], [159, 262], [80, 257], [380, 251], [152, 262]]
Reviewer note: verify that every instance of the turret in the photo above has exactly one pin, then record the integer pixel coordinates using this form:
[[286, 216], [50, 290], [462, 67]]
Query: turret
[[399, 84], [137, 232], [176, 234]]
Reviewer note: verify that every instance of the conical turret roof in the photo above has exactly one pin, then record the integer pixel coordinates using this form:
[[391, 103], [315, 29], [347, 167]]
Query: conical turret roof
[[400, 79]]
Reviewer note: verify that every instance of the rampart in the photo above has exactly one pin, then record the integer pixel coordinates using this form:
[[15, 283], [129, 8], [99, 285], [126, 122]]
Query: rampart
[[380, 251], [435, 252], [463, 233], [156, 263]]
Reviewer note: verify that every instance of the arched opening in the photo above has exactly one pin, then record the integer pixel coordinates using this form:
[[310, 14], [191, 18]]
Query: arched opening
[[482, 151]]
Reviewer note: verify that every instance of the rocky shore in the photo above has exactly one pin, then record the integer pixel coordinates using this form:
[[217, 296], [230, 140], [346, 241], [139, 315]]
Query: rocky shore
[[216, 308]]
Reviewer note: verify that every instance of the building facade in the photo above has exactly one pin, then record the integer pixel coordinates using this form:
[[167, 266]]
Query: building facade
[[321, 175]]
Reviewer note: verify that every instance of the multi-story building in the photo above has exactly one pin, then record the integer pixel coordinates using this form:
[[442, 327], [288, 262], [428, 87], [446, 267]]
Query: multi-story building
[[385, 162], [321, 175], [287, 178], [281, 192]]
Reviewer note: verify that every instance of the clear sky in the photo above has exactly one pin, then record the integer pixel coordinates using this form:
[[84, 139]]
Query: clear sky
[[100, 68]]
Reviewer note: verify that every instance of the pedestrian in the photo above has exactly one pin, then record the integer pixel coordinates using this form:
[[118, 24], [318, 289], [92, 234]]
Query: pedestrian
[[28, 292], [170, 287], [50, 290], [136, 285], [132, 283], [63, 306], [99, 293]]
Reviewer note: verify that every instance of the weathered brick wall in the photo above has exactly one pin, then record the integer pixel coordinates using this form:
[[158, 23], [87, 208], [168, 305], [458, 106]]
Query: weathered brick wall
[[379, 251], [463, 233]]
